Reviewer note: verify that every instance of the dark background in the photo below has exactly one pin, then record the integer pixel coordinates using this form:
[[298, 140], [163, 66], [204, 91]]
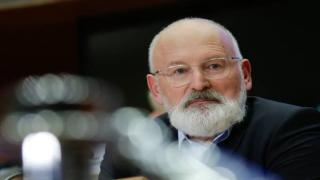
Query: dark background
[[279, 37], [109, 40]]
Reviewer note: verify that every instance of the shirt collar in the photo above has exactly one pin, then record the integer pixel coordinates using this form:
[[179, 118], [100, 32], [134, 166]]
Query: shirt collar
[[219, 138]]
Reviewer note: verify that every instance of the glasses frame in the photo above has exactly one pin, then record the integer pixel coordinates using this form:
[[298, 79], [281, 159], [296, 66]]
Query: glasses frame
[[162, 73]]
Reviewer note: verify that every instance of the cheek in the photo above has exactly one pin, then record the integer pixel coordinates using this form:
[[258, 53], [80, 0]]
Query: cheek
[[229, 87], [170, 94]]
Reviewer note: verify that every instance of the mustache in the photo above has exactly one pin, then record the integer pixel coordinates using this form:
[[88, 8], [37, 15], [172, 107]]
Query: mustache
[[209, 95]]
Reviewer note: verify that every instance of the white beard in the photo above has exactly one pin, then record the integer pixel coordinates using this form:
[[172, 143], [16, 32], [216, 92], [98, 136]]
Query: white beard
[[210, 119]]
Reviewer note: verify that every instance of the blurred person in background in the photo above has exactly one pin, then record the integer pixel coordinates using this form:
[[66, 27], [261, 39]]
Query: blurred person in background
[[198, 74]]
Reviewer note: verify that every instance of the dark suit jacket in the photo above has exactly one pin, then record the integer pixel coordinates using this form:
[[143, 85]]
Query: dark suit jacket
[[281, 138]]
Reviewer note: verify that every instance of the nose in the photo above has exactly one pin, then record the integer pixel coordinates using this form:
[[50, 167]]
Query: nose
[[199, 81]]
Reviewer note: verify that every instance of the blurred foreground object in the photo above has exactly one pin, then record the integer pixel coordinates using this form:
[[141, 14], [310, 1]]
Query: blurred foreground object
[[11, 173], [74, 110], [134, 178], [41, 154], [145, 147], [82, 113]]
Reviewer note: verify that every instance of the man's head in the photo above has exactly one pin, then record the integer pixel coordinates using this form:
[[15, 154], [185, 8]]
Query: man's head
[[199, 75]]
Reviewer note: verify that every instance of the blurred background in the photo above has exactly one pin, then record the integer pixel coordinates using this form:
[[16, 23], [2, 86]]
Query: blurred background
[[108, 40]]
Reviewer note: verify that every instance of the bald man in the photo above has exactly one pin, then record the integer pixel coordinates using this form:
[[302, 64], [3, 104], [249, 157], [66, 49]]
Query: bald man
[[198, 74]]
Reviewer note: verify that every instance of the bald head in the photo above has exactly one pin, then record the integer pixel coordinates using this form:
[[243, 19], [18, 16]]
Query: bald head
[[189, 30]]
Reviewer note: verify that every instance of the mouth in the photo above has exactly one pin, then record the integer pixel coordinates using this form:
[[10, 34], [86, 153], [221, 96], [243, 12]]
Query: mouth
[[201, 102]]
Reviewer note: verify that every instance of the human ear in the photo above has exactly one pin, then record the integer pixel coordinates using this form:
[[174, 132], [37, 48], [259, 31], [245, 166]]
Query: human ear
[[246, 70], [154, 88]]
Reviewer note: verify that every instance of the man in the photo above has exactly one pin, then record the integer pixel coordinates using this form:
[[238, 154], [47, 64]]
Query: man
[[201, 78]]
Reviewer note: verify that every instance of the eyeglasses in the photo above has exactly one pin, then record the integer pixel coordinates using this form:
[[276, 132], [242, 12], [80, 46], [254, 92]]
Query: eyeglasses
[[181, 74]]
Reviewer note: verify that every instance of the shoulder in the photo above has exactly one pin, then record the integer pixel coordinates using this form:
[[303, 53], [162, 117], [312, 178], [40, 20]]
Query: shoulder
[[280, 125], [291, 138], [267, 112], [268, 122], [266, 106], [280, 137]]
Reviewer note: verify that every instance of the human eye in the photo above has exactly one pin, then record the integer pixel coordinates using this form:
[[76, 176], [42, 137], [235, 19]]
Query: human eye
[[215, 65], [178, 71]]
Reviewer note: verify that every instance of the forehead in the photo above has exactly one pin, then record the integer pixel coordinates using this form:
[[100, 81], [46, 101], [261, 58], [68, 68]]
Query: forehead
[[187, 43], [189, 33]]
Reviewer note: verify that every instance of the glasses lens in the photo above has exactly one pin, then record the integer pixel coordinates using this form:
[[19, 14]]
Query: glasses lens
[[179, 75], [216, 68]]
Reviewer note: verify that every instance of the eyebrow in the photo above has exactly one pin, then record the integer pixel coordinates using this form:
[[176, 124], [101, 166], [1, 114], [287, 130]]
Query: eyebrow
[[179, 62], [216, 56], [176, 63]]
